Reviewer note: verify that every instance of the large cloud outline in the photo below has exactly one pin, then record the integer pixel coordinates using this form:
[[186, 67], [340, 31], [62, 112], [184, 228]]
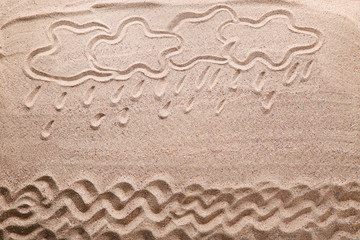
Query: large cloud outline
[[96, 72], [119, 35], [262, 57], [55, 46], [103, 74], [253, 57], [200, 17]]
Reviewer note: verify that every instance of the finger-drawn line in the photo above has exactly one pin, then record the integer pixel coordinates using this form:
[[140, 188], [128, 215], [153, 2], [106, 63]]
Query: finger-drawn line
[[234, 84], [260, 56], [196, 212], [200, 17], [214, 79], [160, 88], [268, 103], [200, 82], [60, 101], [54, 47], [115, 98], [96, 121], [164, 111], [124, 74], [291, 74], [124, 117], [259, 83], [189, 105], [253, 57], [31, 97], [179, 86], [305, 76], [45, 133], [138, 90], [220, 107], [89, 96]]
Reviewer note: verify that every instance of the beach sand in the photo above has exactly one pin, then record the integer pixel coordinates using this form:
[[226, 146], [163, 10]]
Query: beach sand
[[180, 119]]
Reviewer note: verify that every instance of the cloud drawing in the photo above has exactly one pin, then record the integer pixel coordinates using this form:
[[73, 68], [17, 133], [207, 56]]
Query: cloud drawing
[[134, 48]]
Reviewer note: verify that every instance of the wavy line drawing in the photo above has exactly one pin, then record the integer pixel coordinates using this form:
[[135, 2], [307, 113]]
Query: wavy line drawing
[[155, 211], [200, 17], [54, 14], [116, 38]]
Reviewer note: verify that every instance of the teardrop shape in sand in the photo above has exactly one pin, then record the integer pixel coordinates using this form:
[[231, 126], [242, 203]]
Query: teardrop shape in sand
[[45, 133], [164, 112], [96, 121], [124, 117], [31, 97]]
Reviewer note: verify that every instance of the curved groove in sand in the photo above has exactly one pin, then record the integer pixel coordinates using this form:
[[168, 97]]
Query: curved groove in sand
[[54, 47], [164, 111], [291, 74], [89, 96], [200, 17], [252, 57], [41, 16], [214, 79], [268, 103], [201, 80], [260, 56], [123, 74], [60, 101], [305, 76], [124, 117], [124, 209], [179, 86], [189, 105], [45, 133], [103, 73], [116, 97], [97, 120], [31, 97], [160, 88]]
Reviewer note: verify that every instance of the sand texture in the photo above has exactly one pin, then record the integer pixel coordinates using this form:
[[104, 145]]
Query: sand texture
[[179, 119]]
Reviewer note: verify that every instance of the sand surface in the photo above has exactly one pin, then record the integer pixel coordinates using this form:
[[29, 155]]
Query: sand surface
[[179, 119]]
